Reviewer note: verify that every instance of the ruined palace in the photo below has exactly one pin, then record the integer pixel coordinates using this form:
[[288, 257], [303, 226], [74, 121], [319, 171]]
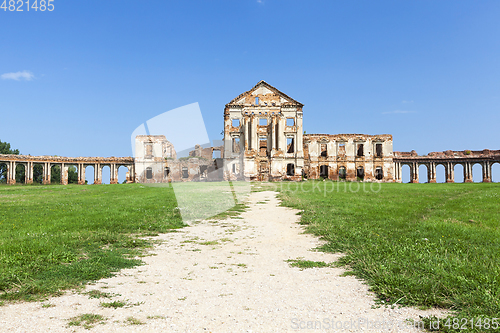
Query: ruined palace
[[264, 139]]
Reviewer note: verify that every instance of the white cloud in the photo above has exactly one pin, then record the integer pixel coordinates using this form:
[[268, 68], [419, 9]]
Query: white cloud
[[18, 76], [406, 102], [398, 112], [260, 1]]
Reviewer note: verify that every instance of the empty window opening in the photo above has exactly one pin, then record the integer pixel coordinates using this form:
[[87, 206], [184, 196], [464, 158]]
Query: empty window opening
[[256, 101], [185, 173], [290, 122], [235, 170], [342, 149], [342, 173], [262, 121], [290, 169], [236, 145], [323, 171], [203, 171], [166, 172], [361, 151], [360, 173], [323, 150], [263, 146], [235, 122], [290, 145], [149, 173], [216, 154], [379, 173], [378, 150], [148, 150]]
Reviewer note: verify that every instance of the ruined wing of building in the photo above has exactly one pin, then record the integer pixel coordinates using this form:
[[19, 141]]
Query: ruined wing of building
[[264, 139]]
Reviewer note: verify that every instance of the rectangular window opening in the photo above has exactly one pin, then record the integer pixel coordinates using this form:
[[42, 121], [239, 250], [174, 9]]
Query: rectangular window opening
[[290, 122], [185, 173], [216, 154], [236, 145], [290, 169], [203, 171], [378, 149], [290, 145], [166, 172], [324, 150], [361, 151], [323, 171], [235, 123], [263, 146], [262, 121]]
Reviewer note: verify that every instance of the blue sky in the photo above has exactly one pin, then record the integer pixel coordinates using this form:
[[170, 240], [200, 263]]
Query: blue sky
[[90, 72]]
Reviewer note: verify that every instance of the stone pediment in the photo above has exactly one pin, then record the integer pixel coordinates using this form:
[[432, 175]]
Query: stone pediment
[[263, 94]]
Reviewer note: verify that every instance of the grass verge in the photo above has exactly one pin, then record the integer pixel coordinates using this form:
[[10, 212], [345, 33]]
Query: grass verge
[[59, 237], [428, 245]]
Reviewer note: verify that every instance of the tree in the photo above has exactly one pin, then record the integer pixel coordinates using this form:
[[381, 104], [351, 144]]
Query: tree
[[6, 149]]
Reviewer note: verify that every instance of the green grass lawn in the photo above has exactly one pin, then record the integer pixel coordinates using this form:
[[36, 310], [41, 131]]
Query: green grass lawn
[[59, 237], [428, 245]]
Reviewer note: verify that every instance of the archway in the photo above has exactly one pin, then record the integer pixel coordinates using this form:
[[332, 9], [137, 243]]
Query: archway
[[105, 174], [20, 173], [122, 174], [89, 174], [72, 174], [423, 176], [323, 171], [55, 174], [3, 173], [37, 173], [342, 173], [477, 173], [440, 173], [360, 173], [379, 173], [495, 172], [405, 173], [459, 173]]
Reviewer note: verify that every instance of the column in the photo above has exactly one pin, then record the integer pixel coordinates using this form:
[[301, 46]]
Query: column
[[9, 167], [97, 179], [281, 133], [28, 179], [486, 172], [467, 172], [254, 138], [450, 173], [114, 174], [246, 129], [299, 146], [47, 173], [414, 173], [13, 173], [81, 174], [397, 172], [431, 172], [272, 134], [64, 174]]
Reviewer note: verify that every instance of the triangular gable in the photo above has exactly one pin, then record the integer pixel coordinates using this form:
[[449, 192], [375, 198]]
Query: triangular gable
[[264, 88]]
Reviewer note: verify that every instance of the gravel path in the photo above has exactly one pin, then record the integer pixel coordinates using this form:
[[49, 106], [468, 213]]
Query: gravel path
[[223, 276]]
